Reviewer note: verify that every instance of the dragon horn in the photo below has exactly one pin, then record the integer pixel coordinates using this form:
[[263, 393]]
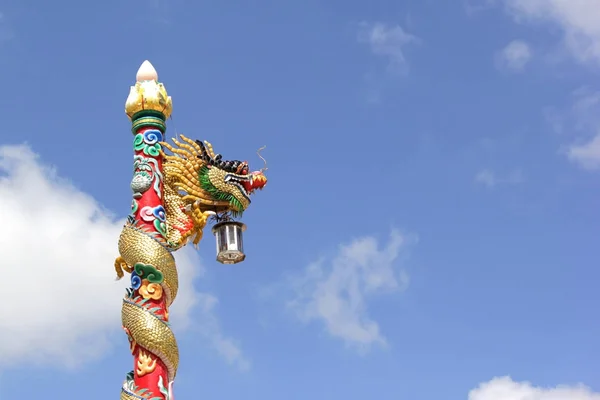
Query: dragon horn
[[263, 169]]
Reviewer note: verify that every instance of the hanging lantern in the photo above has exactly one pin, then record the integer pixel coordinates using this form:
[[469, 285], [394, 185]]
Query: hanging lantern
[[230, 243]]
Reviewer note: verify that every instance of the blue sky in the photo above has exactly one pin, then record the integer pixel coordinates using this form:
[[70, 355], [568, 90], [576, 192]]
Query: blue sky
[[429, 222]]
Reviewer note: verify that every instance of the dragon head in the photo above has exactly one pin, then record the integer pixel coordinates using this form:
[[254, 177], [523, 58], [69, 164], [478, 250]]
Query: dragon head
[[206, 182], [228, 182]]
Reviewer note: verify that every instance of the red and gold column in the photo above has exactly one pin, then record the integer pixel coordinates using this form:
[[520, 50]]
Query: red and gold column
[[144, 250]]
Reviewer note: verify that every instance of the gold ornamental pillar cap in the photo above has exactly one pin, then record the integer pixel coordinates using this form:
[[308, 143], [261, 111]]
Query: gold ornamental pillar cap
[[149, 95], [146, 72]]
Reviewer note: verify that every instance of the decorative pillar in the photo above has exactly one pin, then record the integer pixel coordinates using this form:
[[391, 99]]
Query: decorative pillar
[[174, 197], [144, 250]]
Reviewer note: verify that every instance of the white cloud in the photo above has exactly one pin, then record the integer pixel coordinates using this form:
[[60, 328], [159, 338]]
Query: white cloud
[[227, 347], [505, 388], [62, 304], [335, 291], [514, 56], [486, 177], [389, 42], [586, 155], [578, 20], [491, 179], [579, 23], [581, 120]]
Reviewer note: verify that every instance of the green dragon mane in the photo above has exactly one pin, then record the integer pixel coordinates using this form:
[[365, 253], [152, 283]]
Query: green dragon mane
[[217, 194]]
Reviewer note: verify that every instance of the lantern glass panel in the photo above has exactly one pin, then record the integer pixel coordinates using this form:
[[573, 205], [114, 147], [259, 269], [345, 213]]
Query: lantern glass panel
[[231, 233], [239, 239], [222, 240]]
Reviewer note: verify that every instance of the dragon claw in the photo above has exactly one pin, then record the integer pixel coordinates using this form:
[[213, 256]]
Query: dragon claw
[[121, 267]]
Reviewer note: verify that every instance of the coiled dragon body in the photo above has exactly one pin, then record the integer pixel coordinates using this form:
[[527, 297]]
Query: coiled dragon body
[[174, 195]]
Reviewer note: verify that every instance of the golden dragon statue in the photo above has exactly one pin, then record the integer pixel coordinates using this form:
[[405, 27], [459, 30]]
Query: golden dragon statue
[[174, 195]]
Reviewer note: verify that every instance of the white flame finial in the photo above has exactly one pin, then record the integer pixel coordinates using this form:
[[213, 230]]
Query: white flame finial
[[146, 72]]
